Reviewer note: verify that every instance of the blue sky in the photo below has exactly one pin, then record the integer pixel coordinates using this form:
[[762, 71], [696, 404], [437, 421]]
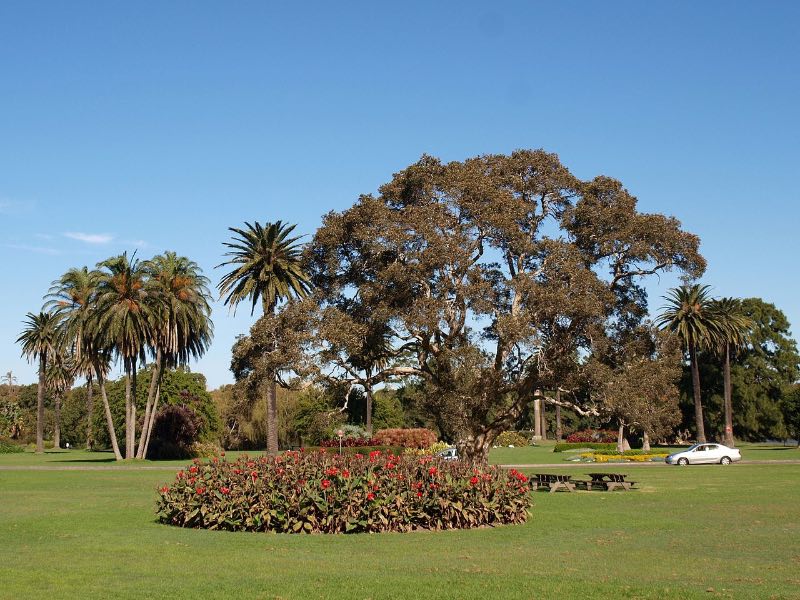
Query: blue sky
[[153, 126]]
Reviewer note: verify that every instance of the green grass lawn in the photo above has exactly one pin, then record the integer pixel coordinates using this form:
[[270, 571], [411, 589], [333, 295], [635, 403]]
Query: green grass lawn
[[694, 532]]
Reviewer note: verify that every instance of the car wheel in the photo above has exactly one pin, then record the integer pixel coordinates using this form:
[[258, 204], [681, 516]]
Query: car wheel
[[683, 461], [725, 461]]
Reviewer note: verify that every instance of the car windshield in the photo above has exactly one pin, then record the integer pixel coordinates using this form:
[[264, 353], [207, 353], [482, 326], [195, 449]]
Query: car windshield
[[693, 447]]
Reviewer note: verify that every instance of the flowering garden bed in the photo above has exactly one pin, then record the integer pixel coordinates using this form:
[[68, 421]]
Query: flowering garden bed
[[323, 492]]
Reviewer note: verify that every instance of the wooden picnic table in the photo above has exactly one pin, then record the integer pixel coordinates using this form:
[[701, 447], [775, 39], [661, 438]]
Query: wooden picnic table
[[555, 482], [611, 481]]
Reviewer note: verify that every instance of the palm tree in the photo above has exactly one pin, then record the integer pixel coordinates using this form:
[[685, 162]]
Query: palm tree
[[267, 267], [60, 376], [9, 378], [688, 313], [73, 296], [182, 327], [40, 340], [124, 318], [734, 334]]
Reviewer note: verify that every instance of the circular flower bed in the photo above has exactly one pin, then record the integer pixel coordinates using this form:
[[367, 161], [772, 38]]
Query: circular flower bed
[[322, 492]]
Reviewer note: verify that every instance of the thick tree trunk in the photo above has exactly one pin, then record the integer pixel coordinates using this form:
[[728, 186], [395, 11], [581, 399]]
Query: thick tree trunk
[[729, 441], [272, 417], [40, 404], [645, 442], [109, 419], [698, 404], [559, 429], [57, 424], [622, 442], [89, 413], [155, 380], [475, 448]]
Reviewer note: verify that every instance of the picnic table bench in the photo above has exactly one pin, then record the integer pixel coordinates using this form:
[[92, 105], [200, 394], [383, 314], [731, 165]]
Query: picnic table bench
[[610, 481]]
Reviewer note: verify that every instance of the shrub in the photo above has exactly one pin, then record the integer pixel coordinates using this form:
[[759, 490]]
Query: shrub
[[174, 432], [322, 492], [638, 457], [511, 438], [8, 446], [562, 447], [206, 450], [598, 436], [350, 443], [429, 451], [355, 449], [407, 438]]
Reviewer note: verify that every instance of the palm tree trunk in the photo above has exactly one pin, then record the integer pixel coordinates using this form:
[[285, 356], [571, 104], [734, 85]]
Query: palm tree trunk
[[128, 437], [152, 420], [133, 407], [89, 412], [109, 419], [155, 379], [272, 398], [543, 416], [729, 441], [645, 442], [40, 404], [57, 427], [698, 405], [621, 437]]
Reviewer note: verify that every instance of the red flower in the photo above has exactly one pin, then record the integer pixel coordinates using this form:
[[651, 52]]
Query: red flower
[[200, 490], [237, 471], [359, 455], [301, 482], [473, 480], [322, 451], [225, 490], [250, 464], [180, 474], [345, 473], [331, 471], [522, 478], [376, 487], [280, 471], [326, 484], [215, 460], [192, 469], [192, 480], [164, 489], [432, 471], [222, 453], [370, 496], [419, 494], [254, 475]]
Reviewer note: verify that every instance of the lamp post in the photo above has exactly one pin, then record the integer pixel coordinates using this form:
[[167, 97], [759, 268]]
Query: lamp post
[[340, 433]]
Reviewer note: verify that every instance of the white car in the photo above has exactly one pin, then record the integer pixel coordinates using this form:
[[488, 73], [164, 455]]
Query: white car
[[705, 454], [448, 453]]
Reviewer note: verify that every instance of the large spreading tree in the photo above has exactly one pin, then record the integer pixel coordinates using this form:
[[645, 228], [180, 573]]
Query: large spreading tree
[[484, 281]]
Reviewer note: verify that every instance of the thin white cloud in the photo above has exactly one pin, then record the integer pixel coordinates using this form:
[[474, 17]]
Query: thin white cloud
[[36, 249], [136, 243], [89, 238]]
